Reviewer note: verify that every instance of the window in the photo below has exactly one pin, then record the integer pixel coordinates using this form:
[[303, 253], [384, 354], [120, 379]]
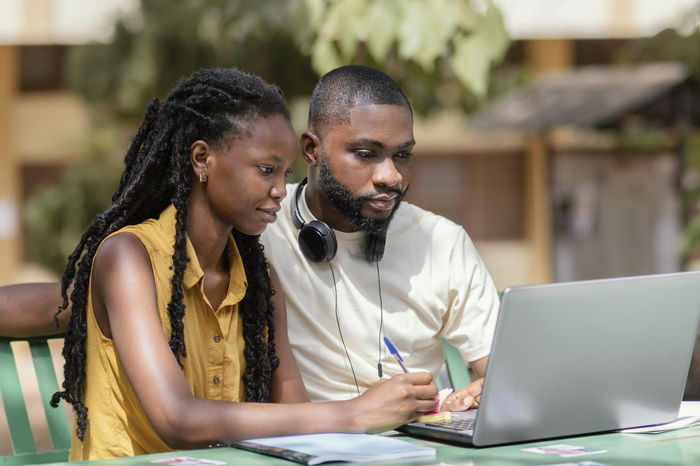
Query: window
[[485, 193]]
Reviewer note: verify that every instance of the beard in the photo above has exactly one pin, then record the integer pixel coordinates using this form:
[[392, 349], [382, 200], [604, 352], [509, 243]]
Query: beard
[[351, 207]]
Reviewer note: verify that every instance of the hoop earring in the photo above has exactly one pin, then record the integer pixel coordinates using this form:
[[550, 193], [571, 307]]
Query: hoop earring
[[203, 177]]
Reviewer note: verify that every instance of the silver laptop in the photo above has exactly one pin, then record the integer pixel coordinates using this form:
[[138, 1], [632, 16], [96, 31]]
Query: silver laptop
[[582, 357]]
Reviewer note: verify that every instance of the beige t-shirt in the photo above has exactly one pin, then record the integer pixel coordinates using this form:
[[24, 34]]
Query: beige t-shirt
[[433, 285]]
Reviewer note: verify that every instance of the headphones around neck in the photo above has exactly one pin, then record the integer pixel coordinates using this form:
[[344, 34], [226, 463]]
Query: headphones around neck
[[317, 240]]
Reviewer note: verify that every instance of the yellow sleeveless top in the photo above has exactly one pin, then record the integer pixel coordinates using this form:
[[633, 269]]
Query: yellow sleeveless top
[[214, 365]]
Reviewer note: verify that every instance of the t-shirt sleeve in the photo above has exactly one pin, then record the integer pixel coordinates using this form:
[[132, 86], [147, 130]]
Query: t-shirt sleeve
[[473, 302]]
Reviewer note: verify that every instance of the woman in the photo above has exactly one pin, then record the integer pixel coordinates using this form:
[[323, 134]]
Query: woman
[[176, 338]]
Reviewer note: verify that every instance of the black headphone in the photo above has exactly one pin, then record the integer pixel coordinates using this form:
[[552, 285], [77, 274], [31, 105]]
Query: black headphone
[[317, 240]]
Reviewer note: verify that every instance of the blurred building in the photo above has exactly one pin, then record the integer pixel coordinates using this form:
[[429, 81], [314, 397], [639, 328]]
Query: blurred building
[[555, 196], [614, 141], [40, 123], [501, 188]]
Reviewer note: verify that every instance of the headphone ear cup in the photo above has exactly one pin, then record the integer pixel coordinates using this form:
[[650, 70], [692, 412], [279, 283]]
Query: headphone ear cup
[[317, 241]]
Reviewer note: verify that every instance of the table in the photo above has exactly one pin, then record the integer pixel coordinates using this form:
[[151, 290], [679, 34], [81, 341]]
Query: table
[[677, 447]]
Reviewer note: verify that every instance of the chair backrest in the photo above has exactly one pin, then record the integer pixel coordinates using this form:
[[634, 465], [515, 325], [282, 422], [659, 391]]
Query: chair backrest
[[23, 444], [457, 370]]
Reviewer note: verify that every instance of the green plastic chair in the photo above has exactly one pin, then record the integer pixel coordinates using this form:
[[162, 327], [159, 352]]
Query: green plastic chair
[[457, 370], [23, 445]]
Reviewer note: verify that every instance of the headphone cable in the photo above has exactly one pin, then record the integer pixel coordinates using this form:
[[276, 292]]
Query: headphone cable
[[381, 324], [340, 332]]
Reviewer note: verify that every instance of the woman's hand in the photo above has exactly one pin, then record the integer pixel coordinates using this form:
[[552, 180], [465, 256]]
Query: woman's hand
[[392, 402]]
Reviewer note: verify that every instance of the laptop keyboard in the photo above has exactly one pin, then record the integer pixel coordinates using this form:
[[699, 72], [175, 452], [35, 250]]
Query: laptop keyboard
[[456, 423]]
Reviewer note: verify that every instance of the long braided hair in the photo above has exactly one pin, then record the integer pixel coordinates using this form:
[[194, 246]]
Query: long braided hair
[[210, 105]]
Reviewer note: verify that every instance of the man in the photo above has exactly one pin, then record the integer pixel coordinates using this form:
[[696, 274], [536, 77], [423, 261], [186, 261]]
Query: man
[[356, 264], [430, 282]]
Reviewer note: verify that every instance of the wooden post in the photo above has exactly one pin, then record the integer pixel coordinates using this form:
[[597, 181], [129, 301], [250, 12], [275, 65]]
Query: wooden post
[[539, 213], [543, 55], [10, 243]]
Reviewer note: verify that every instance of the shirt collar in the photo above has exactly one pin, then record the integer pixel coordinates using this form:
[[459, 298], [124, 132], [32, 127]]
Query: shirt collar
[[193, 271]]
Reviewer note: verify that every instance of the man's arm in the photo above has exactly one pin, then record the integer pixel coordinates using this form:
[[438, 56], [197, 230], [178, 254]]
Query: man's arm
[[473, 313], [478, 367], [28, 309], [468, 397]]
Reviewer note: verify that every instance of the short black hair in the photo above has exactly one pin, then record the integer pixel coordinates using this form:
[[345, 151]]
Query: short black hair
[[341, 89]]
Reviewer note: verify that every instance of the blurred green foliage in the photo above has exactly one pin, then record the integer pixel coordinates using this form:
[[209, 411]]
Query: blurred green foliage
[[690, 236], [440, 51], [163, 41], [58, 214], [667, 45]]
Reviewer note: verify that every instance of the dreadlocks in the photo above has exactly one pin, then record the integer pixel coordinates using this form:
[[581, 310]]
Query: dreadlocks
[[211, 105]]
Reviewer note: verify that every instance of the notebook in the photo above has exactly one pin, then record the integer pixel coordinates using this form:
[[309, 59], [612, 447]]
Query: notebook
[[582, 357], [322, 448]]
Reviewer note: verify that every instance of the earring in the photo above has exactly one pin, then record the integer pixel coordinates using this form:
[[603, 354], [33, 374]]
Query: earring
[[203, 177]]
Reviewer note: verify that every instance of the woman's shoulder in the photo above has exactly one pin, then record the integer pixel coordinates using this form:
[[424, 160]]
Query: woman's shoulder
[[122, 244], [120, 257], [131, 241], [151, 234]]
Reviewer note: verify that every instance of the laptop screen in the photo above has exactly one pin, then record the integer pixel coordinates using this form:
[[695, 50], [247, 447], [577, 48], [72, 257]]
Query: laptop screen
[[589, 356]]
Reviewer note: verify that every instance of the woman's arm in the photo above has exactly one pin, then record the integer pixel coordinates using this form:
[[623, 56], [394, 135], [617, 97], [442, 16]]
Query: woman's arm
[[287, 385], [125, 305], [28, 309]]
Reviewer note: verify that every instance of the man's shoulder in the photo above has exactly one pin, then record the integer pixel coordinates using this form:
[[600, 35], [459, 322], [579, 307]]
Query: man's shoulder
[[410, 217], [413, 225], [284, 216], [291, 191]]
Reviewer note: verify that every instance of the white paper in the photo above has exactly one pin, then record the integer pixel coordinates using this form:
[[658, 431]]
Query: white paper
[[688, 415]]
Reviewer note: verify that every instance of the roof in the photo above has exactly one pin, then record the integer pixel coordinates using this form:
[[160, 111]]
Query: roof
[[587, 96]]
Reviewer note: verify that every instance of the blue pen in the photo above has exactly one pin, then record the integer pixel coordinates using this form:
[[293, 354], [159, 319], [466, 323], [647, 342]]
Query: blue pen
[[394, 352]]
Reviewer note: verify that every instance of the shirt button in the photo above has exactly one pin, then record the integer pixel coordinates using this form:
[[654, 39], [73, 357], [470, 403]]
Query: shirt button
[[215, 380], [217, 338]]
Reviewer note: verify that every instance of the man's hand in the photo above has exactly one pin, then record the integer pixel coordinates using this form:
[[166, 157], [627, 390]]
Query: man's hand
[[464, 398]]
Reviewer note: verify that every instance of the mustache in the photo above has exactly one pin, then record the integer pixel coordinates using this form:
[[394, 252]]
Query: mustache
[[399, 194]]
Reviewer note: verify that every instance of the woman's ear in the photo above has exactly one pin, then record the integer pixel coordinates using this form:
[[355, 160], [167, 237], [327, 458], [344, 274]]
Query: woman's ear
[[310, 148], [199, 156]]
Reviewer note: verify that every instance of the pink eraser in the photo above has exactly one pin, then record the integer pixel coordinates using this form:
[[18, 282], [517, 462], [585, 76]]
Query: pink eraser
[[439, 399]]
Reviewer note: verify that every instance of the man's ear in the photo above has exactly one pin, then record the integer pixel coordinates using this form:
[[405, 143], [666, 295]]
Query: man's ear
[[200, 152], [310, 148]]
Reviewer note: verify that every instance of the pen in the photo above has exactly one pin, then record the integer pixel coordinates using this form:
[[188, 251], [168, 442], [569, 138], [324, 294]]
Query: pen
[[394, 352]]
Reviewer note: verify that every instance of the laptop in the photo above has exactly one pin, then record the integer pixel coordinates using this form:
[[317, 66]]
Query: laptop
[[582, 357]]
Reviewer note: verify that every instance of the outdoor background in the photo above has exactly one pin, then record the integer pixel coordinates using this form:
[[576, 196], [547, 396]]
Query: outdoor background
[[563, 135]]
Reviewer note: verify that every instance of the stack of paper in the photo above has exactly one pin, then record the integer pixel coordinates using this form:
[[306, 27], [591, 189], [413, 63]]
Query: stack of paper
[[688, 415]]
